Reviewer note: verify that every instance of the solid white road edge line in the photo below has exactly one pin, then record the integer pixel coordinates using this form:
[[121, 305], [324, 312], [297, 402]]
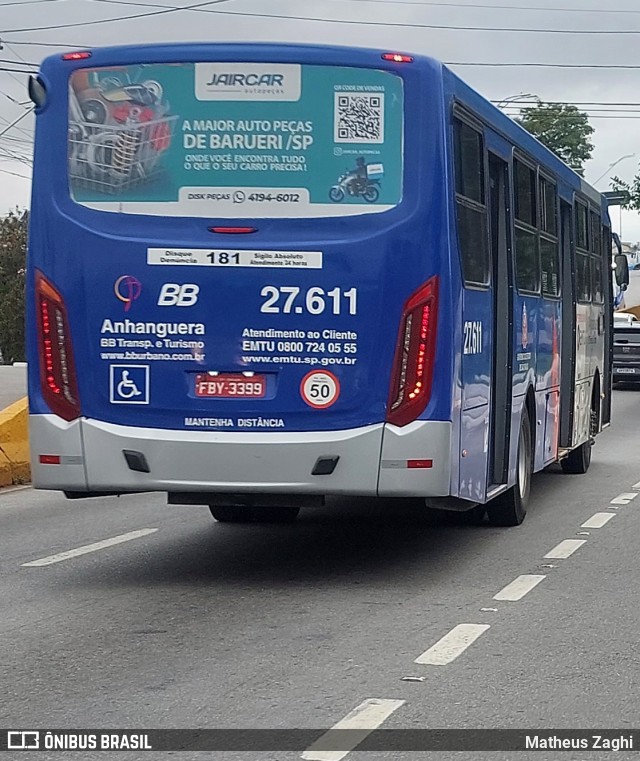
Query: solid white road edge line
[[366, 717], [90, 548]]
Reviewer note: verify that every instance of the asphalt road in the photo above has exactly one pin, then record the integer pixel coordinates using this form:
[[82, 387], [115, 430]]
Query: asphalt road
[[13, 384], [206, 625]]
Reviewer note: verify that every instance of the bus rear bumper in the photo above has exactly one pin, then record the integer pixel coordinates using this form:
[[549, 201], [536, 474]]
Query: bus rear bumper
[[89, 455]]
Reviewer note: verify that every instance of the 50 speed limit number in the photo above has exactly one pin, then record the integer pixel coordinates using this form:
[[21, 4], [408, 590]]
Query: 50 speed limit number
[[320, 389]]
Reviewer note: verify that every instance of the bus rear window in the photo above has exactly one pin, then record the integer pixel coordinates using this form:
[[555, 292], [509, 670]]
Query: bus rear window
[[236, 140]]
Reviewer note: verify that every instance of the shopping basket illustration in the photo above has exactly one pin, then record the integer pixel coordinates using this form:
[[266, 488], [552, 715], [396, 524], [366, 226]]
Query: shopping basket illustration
[[116, 157]]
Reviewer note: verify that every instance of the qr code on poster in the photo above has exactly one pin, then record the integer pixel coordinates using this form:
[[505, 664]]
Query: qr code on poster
[[359, 118]]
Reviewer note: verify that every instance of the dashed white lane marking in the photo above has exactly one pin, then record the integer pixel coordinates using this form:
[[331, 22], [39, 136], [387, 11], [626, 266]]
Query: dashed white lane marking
[[565, 549], [452, 644], [368, 716], [598, 520], [90, 548], [636, 486], [519, 587], [624, 499]]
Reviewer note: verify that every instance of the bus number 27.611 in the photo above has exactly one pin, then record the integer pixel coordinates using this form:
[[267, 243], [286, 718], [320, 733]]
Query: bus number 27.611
[[291, 300], [472, 338]]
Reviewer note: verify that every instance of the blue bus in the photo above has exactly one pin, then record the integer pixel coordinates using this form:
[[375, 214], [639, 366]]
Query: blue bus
[[262, 275]]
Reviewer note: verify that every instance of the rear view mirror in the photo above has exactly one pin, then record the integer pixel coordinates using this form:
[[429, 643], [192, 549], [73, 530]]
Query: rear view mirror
[[622, 271], [37, 92]]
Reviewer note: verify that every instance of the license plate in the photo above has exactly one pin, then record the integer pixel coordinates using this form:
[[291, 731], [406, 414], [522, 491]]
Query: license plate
[[630, 370], [230, 386]]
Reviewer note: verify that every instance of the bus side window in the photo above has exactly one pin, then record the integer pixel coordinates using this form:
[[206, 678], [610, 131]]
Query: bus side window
[[597, 286], [583, 257], [549, 263], [471, 208], [526, 230]]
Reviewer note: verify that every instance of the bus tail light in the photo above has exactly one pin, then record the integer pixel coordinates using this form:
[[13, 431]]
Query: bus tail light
[[79, 55], [57, 370], [412, 374], [397, 58]]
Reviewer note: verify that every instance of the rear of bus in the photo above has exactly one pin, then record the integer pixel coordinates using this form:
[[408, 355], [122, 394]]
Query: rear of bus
[[238, 274]]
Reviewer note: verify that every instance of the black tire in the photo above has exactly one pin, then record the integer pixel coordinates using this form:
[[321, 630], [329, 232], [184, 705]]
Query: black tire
[[578, 460], [371, 194], [274, 514], [245, 514], [231, 513], [510, 507], [336, 195], [474, 517]]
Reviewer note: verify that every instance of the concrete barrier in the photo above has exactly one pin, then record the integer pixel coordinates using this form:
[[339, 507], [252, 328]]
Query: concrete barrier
[[15, 467]]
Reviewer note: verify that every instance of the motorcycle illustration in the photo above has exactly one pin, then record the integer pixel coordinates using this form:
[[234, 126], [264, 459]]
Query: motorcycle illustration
[[348, 186]]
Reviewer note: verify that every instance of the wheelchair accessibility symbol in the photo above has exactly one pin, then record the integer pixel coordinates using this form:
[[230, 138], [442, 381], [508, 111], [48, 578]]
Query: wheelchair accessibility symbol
[[129, 384]]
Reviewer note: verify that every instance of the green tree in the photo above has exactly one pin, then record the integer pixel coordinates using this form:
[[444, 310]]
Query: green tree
[[632, 188], [563, 129], [13, 257]]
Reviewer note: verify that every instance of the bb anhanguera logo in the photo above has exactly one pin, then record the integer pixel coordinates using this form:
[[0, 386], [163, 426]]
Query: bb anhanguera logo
[[127, 289]]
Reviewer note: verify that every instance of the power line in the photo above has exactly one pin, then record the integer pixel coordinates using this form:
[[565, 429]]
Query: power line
[[569, 102], [323, 19], [533, 64], [19, 142], [12, 99], [110, 20], [545, 65], [15, 174], [8, 60], [16, 156], [579, 118], [66, 45], [17, 55], [15, 79], [14, 122], [200, 6], [29, 2], [24, 131], [498, 7], [552, 107]]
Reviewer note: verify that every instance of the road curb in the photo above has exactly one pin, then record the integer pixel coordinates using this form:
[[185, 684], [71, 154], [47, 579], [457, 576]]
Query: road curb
[[15, 466]]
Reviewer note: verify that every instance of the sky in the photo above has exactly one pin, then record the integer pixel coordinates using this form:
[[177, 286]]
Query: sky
[[584, 39]]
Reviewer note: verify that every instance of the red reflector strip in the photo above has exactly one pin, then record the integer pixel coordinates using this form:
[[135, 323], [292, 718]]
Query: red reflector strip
[[419, 463], [233, 230], [49, 459], [79, 56], [397, 58]]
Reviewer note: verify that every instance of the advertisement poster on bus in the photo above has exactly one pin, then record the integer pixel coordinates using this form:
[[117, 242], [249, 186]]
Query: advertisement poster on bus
[[236, 139]]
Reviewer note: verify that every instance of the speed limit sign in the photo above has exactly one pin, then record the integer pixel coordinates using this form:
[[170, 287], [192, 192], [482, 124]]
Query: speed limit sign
[[320, 389]]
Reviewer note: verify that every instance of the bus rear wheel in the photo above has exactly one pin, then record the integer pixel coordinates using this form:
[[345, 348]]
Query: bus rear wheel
[[578, 459], [246, 514], [510, 508]]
